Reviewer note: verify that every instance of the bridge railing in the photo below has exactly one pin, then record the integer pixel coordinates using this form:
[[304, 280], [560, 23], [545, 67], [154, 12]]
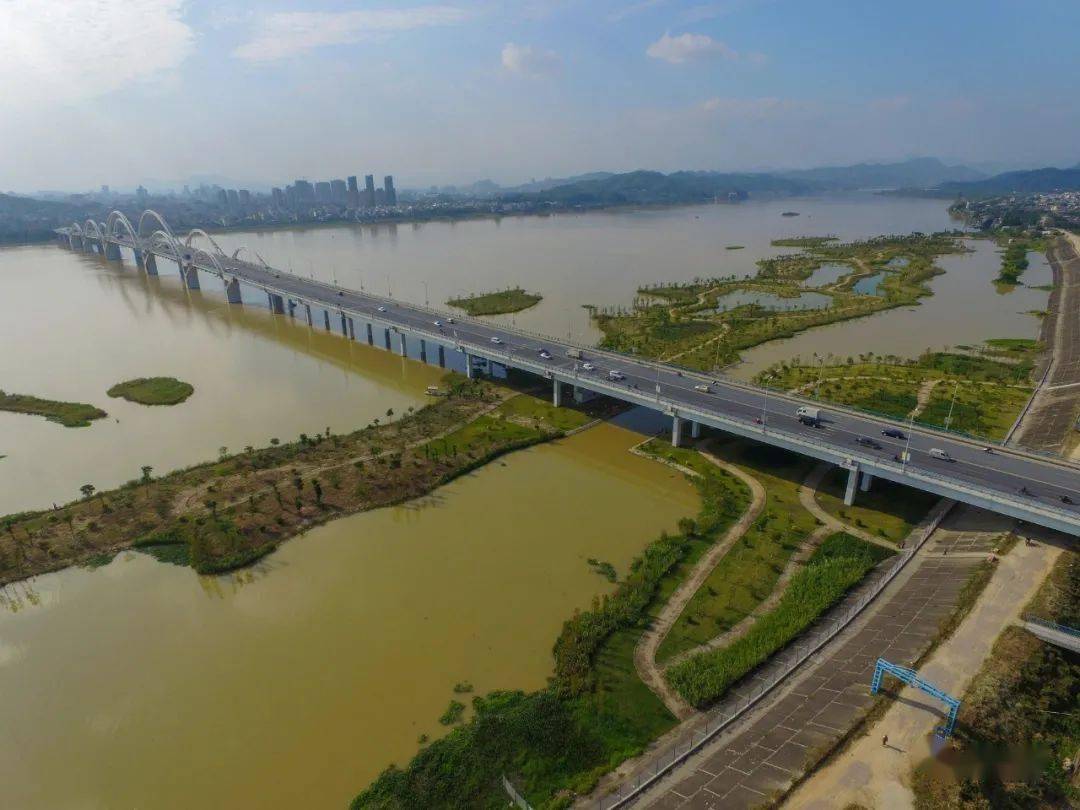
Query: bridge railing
[[1061, 628], [756, 388]]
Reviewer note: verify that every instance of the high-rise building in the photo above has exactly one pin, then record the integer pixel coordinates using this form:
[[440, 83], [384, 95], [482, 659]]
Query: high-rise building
[[322, 191], [222, 198], [305, 192], [369, 191], [234, 199], [141, 194], [338, 192], [380, 197], [278, 198], [388, 190], [353, 193], [105, 190], [245, 199]]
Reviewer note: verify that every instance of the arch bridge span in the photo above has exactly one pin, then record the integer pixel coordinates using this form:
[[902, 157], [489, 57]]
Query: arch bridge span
[[1017, 483]]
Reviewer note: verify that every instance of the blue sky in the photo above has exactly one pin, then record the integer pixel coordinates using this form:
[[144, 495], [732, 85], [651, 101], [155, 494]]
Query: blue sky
[[122, 91]]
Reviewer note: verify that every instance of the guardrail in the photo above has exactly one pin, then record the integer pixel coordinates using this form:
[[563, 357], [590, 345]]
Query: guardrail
[[1061, 628], [721, 720], [694, 374]]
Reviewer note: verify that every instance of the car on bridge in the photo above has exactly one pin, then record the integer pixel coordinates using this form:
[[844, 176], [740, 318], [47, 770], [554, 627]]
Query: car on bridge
[[495, 339], [866, 441], [703, 389], [382, 309], [616, 375], [894, 433], [545, 354], [588, 367]]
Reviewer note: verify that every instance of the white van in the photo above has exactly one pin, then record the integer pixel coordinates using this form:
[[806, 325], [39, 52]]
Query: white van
[[808, 415], [941, 454]]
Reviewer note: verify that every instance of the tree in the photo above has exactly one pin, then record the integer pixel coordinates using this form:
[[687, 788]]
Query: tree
[[211, 504], [222, 452], [275, 441], [87, 490], [389, 413], [318, 491], [146, 471], [298, 482]]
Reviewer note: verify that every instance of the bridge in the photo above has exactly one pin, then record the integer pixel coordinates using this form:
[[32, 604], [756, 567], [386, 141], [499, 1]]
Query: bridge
[[1043, 490]]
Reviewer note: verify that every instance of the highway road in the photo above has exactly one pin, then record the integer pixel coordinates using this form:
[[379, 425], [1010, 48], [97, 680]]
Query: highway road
[[1024, 485]]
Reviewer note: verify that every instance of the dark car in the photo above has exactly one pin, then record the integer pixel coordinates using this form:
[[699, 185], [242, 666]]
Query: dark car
[[866, 441], [894, 433]]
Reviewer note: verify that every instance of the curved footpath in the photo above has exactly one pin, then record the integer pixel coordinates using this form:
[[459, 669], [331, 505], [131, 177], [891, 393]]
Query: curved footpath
[[645, 651]]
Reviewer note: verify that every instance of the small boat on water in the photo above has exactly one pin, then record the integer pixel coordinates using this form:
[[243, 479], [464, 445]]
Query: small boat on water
[[790, 214]]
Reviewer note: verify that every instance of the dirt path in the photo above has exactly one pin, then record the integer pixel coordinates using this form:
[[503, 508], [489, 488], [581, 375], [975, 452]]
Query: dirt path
[[877, 776], [192, 499], [925, 390], [645, 651], [808, 499]]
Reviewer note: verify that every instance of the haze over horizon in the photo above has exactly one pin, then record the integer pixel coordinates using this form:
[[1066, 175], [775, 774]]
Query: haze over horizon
[[452, 91]]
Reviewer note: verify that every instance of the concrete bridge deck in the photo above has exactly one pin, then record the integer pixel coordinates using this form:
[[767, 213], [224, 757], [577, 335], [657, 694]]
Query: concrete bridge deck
[[1038, 489]]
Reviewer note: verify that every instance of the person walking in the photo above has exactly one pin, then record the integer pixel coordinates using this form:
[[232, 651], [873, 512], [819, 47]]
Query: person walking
[[885, 741]]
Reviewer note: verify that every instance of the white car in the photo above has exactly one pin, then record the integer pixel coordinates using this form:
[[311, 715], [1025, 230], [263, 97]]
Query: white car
[[495, 340], [545, 354], [616, 375], [450, 320], [702, 388], [382, 309], [438, 324], [588, 367], [938, 453]]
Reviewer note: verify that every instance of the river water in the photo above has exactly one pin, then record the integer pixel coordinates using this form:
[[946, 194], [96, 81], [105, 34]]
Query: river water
[[293, 683]]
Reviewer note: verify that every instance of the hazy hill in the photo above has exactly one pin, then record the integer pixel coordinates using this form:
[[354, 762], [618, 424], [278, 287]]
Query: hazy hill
[[656, 188], [914, 173], [1047, 179]]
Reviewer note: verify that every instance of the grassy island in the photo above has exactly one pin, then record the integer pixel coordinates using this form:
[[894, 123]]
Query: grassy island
[[227, 513], [691, 323], [153, 390], [68, 414], [497, 303]]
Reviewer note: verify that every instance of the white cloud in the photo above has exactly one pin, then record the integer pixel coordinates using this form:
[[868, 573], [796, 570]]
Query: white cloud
[[529, 61], [64, 51], [685, 48], [285, 34], [750, 108]]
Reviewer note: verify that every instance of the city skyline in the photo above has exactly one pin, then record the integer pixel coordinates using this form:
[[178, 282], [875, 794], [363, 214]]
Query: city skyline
[[519, 90]]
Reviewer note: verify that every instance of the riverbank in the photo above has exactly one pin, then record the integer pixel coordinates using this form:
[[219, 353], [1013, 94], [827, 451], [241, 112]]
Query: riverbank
[[225, 514]]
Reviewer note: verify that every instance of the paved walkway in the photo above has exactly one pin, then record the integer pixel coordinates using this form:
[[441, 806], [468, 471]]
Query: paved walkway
[[1054, 410], [873, 775], [770, 749]]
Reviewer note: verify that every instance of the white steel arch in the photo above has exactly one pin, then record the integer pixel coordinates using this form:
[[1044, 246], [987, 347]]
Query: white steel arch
[[117, 218], [236, 255], [200, 232], [197, 253]]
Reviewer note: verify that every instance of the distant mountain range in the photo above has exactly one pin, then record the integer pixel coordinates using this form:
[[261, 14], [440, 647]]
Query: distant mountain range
[[1035, 180], [915, 173]]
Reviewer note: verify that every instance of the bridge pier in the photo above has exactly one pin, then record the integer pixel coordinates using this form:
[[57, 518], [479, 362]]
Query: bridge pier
[[676, 431], [277, 304], [442, 356], [150, 264], [470, 372], [370, 336], [404, 350], [352, 329], [423, 350], [191, 276], [112, 252], [556, 393], [326, 319], [695, 430], [344, 325], [307, 310], [291, 306], [232, 291], [865, 480], [852, 481], [386, 338]]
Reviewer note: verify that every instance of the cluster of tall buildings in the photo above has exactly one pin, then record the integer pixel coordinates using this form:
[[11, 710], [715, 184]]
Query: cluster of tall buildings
[[345, 193]]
